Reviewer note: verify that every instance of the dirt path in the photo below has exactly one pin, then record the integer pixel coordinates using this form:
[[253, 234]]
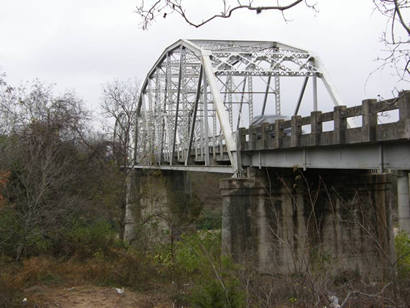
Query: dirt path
[[89, 297]]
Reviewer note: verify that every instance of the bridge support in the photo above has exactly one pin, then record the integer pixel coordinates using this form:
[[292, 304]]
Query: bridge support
[[159, 205], [243, 219], [283, 221], [403, 201], [130, 212]]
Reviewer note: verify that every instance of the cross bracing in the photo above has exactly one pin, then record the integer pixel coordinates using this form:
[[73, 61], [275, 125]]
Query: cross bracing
[[199, 92]]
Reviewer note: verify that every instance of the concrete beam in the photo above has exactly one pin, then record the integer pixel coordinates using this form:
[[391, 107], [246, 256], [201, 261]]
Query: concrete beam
[[210, 169], [393, 156]]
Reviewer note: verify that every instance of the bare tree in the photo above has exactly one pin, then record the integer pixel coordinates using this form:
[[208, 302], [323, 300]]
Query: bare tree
[[120, 100], [119, 105], [396, 36], [41, 133], [150, 10]]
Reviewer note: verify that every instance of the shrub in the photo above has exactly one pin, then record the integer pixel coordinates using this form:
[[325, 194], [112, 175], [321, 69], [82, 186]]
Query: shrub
[[402, 243], [211, 279], [84, 240], [209, 220], [11, 232], [216, 293]]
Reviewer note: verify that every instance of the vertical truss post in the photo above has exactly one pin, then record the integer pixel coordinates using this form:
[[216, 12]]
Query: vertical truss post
[[229, 103], [250, 99], [171, 160], [191, 133], [240, 106], [170, 103], [135, 157], [206, 124], [167, 73], [185, 116], [157, 117], [266, 94], [214, 135], [202, 131], [150, 113], [145, 135], [314, 92], [277, 95]]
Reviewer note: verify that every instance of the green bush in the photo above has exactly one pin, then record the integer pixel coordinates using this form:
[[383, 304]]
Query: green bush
[[11, 232], [87, 239], [196, 253], [197, 262], [209, 220], [217, 294], [402, 243]]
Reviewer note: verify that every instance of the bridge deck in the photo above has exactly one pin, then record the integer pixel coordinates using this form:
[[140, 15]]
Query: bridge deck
[[373, 145]]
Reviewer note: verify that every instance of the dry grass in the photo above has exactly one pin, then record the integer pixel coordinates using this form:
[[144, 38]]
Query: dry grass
[[121, 269]]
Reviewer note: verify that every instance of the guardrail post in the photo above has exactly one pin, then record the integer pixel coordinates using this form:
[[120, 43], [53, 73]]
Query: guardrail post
[[404, 114], [369, 121], [252, 138], [242, 138], [296, 131], [264, 136], [278, 134], [340, 124], [221, 147], [315, 127]]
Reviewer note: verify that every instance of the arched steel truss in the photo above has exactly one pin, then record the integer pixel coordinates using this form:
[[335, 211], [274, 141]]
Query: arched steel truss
[[200, 91]]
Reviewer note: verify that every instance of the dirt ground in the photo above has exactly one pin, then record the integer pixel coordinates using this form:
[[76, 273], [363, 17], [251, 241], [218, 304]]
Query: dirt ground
[[89, 297]]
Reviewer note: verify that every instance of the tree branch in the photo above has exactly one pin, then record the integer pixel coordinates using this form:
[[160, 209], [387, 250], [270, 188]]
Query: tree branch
[[149, 14], [397, 10], [228, 13]]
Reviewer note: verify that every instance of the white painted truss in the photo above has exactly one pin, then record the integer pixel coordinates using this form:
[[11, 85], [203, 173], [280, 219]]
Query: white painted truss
[[199, 92]]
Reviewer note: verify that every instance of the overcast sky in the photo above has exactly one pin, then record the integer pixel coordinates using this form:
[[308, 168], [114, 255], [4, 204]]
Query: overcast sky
[[83, 44]]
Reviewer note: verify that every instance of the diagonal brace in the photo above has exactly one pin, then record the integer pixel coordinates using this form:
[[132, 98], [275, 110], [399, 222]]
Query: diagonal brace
[[191, 133]]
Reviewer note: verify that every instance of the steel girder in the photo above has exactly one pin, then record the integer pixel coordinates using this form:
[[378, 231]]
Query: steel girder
[[199, 91]]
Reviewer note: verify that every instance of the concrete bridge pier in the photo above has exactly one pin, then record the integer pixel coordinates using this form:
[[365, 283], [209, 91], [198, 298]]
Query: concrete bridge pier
[[261, 226], [156, 203], [403, 201], [243, 218], [130, 213], [282, 221]]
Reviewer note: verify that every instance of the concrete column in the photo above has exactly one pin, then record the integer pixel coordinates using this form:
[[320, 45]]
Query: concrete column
[[278, 134], [404, 114], [316, 127], [340, 124], [369, 120], [296, 131], [403, 201], [244, 222], [130, 207]]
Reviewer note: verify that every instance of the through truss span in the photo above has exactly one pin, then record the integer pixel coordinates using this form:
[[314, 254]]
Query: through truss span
[[200, 92]]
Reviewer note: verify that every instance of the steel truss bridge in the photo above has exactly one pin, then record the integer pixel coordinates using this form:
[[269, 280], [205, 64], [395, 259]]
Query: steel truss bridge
[[201, 102]]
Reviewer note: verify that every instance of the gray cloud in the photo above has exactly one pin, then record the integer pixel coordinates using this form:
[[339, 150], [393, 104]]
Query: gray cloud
[[82, 44]]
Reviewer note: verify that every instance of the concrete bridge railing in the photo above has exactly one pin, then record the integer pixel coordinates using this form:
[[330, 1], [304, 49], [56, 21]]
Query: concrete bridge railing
[[289, 134]]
